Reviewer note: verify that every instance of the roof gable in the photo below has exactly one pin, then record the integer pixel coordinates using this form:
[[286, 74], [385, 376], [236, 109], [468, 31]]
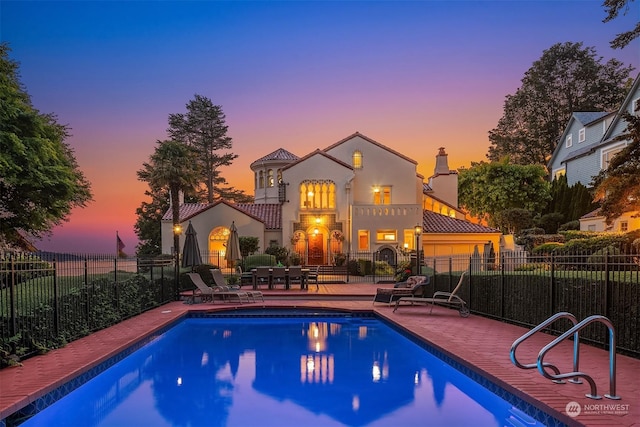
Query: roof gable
[[321, 153], [634, 92], [376, 143], [269, 214]]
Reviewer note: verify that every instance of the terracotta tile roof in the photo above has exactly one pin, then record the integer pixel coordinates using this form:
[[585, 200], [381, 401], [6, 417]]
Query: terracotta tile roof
[[269, 214], [435, 223], [279, 154], [187, 210]]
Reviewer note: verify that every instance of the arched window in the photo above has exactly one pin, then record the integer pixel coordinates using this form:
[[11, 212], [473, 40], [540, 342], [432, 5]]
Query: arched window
[[260, 179], [270, 180], [318, 194], [357, 159], [279, 174]]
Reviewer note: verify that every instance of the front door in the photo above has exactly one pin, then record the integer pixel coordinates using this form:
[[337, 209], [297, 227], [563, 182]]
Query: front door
[[316, 252]]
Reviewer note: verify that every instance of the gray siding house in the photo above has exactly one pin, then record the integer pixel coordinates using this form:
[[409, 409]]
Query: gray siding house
[[589, 142]]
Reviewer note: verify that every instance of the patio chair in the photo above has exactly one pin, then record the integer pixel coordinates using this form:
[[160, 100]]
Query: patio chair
[[444, 299], [262, 276], [312, 276], [417, 287], [278, 276], [212, 292], [295, 275], [220, 281]]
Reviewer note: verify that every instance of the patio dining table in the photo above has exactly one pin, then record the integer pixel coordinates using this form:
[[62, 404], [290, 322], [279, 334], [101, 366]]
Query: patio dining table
[[304, 282]]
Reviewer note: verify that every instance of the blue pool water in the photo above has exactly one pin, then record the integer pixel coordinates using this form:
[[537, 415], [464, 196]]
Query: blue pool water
[[281, 371]]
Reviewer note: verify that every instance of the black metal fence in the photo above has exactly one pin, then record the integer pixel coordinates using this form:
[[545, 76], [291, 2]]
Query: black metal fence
[[46, 302]]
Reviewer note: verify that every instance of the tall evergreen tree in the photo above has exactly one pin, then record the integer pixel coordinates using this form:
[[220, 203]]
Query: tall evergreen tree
[[565, 79], [204, 128]]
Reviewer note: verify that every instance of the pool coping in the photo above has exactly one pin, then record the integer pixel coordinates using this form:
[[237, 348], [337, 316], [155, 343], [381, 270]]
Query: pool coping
[[133, 332]]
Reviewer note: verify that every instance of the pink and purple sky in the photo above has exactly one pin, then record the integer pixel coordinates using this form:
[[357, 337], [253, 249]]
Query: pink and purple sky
[[301, 75]]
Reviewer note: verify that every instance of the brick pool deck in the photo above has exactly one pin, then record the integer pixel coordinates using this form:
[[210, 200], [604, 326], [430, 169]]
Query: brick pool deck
[[479, 343]]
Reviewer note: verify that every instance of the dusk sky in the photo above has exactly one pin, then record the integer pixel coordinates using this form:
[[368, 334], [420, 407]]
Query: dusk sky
[[297, 75]]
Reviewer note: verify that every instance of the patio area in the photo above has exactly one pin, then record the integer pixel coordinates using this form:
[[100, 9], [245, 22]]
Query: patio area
[[480, 344]]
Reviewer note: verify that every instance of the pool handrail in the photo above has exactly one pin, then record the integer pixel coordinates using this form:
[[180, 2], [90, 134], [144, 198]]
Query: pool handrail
[[612, 358], [549, 321]]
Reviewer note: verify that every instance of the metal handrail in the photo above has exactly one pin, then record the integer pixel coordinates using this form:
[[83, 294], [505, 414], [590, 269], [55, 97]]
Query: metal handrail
[[549, 321], [612, 358]]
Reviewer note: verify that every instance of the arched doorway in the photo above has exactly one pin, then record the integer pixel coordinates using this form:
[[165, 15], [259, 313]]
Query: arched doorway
[[388, 255], [217, 246]]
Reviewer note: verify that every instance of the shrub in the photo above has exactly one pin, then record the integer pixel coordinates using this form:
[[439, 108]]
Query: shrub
[[280, 253], [571, 225], [546, 248]]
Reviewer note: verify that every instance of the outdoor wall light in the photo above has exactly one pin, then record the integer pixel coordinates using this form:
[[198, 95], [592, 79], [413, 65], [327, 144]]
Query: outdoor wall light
[[376, 189], [177, 229], [316, 231], [318, 220]]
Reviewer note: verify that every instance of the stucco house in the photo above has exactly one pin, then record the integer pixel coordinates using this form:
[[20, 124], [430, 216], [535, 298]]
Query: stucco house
[[356, 195], [586, 147]]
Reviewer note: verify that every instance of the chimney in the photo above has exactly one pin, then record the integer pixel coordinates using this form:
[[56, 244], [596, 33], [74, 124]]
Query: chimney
[[442, 164]]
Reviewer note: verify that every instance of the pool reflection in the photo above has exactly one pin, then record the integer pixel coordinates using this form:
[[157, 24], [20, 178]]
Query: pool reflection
[[219, 372]]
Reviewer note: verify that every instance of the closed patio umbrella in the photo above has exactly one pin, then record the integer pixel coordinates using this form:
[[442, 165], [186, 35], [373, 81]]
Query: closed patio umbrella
[[191, 251], [233, 246]]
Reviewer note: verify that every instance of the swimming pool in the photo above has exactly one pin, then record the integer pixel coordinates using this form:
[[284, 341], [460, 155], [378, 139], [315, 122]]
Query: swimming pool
[[281, 370]]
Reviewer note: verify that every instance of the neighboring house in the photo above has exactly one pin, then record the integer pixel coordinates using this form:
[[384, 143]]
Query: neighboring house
[[573, 156], [598, 132], [356, 195]]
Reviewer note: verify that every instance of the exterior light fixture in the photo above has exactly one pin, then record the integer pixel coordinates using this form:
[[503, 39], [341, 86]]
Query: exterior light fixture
[[318, 220], [418, 232], [315, 231], [177, 229]]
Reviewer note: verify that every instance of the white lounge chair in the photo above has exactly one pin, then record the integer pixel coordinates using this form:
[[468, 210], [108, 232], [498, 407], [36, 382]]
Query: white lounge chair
[[208, 292], [220, 281]]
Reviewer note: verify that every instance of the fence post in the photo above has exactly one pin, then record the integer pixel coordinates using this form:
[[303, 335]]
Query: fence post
[[56, 302], [86, 293], [502, 279], [607, 283], [552, 287], [450, 272], [12, 296], [348, 264]]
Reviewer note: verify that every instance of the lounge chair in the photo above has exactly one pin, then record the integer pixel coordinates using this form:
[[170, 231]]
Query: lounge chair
[[445, 299], [417, 286], [220, 281], [209, 293]]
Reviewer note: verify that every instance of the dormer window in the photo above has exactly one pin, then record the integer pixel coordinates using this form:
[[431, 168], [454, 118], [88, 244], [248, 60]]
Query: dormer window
[[357, 159]]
